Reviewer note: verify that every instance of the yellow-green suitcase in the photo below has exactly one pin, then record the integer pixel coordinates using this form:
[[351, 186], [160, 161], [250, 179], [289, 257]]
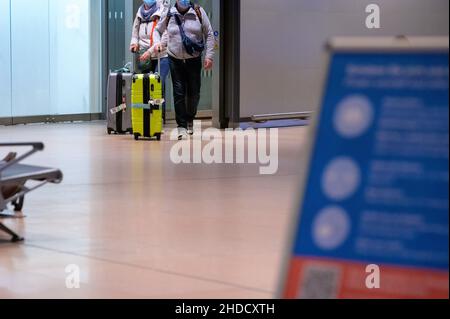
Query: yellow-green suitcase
[[146, 106]]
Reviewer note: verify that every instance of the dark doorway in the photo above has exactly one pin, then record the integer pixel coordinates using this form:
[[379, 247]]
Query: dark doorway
[[221, 88], [116, 34]]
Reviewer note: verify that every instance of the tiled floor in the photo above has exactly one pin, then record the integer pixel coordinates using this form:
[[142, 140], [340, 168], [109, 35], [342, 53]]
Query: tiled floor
[[139, 226]]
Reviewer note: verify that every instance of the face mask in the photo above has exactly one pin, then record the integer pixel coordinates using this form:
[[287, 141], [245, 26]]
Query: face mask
[[184, 4], [150, 2]]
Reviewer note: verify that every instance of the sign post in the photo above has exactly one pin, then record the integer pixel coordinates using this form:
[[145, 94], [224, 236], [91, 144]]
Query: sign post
[[373, 219]]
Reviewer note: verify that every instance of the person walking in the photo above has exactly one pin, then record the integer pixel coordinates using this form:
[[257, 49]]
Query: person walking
[[145, 38], [186, 33]]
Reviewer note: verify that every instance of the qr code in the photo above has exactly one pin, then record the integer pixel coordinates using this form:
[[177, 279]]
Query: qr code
[[320, 282]]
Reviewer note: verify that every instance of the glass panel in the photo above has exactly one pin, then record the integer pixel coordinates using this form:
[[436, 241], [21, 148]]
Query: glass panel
[[69, 56], [5, 60], [207, 76], [30, 57], [56, 59], [96, 56]]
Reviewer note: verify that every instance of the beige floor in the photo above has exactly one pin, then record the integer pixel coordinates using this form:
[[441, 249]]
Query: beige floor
[[139, 226]]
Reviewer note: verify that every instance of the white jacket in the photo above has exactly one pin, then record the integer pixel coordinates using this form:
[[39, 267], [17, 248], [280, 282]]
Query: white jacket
[[142, 32], [193, 28]]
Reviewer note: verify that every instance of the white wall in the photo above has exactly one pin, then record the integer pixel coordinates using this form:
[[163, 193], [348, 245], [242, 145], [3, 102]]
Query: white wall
[[5, 74], [70, 56], [50, 61], [282, 44], [30, 58]]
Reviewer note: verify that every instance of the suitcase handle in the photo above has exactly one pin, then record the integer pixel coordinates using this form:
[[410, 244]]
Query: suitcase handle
[[159, 60]]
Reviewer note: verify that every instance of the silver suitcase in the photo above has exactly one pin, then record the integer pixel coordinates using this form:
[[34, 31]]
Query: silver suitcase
[[119, 103]]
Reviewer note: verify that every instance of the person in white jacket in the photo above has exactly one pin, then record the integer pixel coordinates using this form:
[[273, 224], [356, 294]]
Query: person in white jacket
[[145, 38]]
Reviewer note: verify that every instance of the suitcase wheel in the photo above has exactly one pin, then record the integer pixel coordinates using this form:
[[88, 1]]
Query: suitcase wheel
[[158, 136], [136, 136], [110, 131], [130, 130]]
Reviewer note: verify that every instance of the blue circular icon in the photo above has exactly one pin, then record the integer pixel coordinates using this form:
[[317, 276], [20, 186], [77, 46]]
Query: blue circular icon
[[216, 33]]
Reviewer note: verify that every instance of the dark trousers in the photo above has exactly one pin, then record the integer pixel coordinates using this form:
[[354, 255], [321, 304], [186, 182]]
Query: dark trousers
[[186, 79]]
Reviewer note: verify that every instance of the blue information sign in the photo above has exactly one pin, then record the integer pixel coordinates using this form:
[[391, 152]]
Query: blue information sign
[[378, 180]]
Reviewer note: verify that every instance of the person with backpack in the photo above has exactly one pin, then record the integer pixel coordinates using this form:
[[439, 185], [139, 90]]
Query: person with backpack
[[145, 38], [186, 33]]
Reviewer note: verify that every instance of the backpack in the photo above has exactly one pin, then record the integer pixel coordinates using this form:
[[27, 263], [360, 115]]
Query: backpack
[[190, 46], [197, 9]]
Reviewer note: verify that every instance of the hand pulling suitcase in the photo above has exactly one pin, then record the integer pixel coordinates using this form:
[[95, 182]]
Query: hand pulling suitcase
[[146, 106], [119, 102]]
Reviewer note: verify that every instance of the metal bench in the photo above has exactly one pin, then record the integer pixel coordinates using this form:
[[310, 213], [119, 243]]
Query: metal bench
[[13, 174]]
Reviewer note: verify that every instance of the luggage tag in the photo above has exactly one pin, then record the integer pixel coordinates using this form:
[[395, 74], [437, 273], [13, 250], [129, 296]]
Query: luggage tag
[[156, 102], [119, 108]]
